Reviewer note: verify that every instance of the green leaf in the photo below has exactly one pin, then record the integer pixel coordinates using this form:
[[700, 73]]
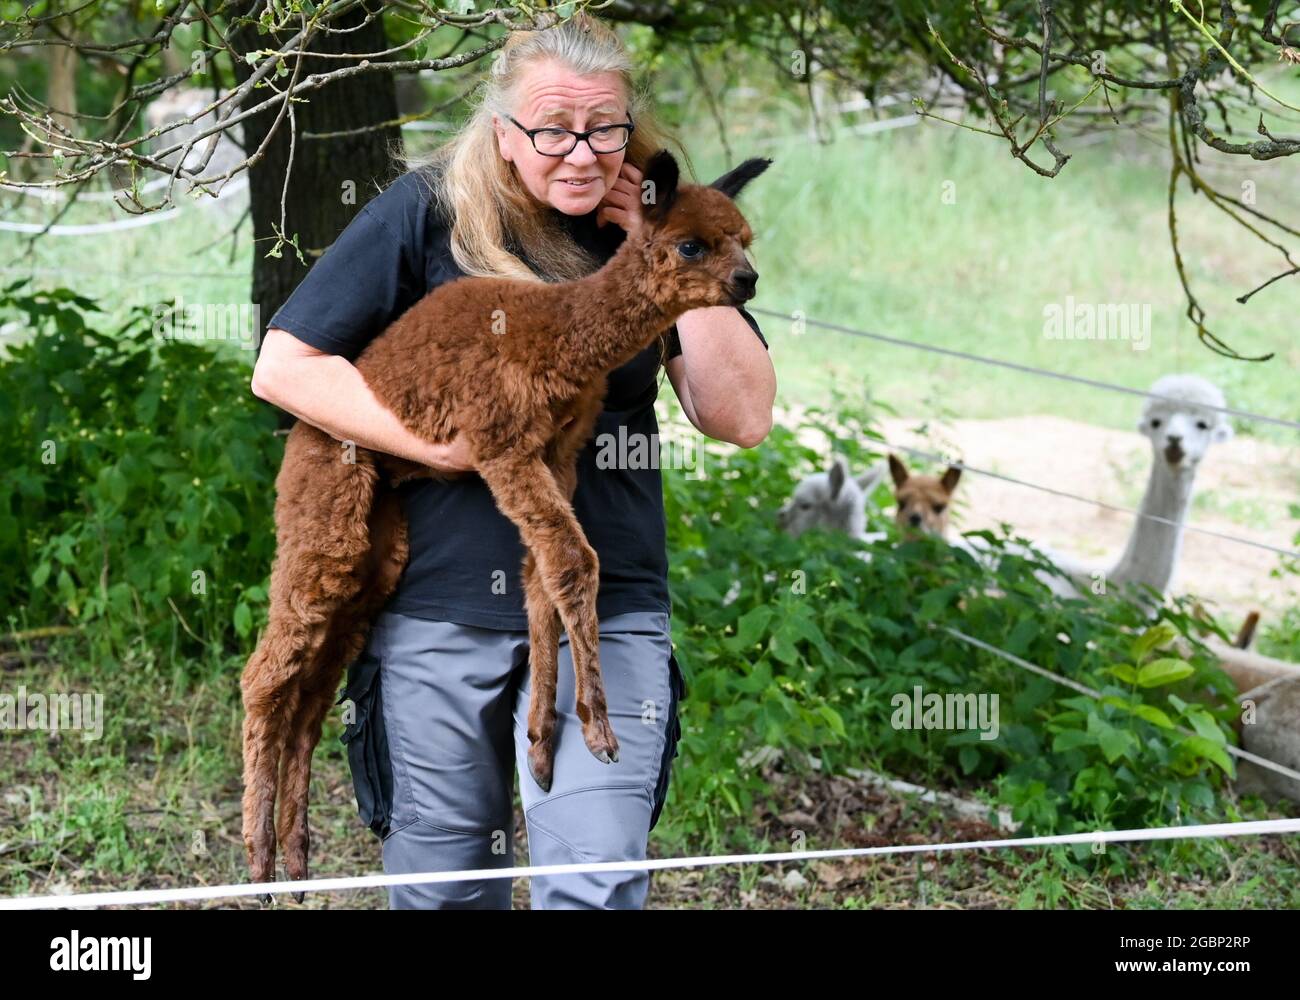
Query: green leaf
[[1071, 739], [1205, 725], [783, 648], [1114, 742], [833, 719], [1124, 671], [243, 619], [1153, 715], [969, 758], [749, 628], [1167, 670], [1201, 747], [1156, 635]]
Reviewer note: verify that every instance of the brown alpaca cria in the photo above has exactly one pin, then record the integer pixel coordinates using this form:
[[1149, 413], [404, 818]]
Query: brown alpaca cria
[[517, 369]]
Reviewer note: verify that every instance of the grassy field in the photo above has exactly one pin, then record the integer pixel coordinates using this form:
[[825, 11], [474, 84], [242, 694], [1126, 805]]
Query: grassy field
[[155, 804], [935, 235]]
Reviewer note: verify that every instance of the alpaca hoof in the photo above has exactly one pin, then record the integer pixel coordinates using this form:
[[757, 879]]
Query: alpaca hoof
[[266, 899], [541, 764], [298, 896], [600, 740]]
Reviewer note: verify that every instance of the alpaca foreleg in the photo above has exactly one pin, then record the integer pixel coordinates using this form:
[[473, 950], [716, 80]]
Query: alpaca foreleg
[[525, 490], [543, 656]]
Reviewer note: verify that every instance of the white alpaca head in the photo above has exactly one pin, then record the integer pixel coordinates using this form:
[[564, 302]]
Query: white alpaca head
[[834, 500], [1181, 428]]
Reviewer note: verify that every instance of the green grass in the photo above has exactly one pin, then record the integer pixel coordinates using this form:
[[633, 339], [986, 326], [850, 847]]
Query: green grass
[[859, 233]]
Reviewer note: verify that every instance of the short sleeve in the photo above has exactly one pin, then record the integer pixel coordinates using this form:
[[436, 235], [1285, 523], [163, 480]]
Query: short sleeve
[[364, 281], [675, 344]]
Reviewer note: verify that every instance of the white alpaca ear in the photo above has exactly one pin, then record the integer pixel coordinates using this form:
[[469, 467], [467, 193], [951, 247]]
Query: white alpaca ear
[[837, 473], [870, 479]]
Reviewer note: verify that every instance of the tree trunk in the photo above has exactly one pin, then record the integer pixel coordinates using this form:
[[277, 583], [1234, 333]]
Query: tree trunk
[[331, 179], [63, 74]]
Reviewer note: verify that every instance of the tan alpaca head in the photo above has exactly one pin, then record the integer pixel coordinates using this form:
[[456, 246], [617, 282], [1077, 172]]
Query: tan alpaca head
[[923, 501], [695, 236]]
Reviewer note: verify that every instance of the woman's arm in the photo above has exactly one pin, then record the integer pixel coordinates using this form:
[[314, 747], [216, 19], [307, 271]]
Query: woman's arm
[[724, 376], [325, 390]]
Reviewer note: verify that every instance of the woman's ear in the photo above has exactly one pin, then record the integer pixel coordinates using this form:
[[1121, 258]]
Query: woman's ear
[[502, 146], [658, 185]]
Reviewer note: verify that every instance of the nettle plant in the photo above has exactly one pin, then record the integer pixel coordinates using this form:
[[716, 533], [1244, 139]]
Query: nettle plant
[[816, 641], [141, 475]]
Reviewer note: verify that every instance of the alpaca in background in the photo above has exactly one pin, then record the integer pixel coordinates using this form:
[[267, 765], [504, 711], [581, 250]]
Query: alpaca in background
[[924, 502], [1182, 417], [833, 500]]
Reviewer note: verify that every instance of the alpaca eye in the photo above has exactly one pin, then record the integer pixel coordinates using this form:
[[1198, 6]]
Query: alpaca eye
[[690, 249], [939, 508], [1202, 425], [1155, 422]]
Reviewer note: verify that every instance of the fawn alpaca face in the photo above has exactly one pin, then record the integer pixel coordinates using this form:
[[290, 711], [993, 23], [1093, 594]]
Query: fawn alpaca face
[[696, 236], [923, 501]]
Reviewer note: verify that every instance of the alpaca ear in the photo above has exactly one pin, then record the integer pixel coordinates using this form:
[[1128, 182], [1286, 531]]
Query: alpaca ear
[[659, 184], [837, 473], [870, 479], [950, 478], [898, 470], [733, 181]]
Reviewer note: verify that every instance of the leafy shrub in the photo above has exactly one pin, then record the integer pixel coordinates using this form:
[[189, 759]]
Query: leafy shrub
[[141, 480]]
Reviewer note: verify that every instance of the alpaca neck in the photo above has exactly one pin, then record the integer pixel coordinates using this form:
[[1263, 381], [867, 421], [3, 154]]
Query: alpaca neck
[[1151, 555], [613, 315]]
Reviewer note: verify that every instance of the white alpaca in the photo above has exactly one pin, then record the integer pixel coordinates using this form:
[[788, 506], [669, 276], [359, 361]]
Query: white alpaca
[[1181, 427], [834, 500]]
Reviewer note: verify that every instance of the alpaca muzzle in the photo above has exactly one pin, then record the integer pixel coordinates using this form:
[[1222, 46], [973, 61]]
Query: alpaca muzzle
[[743, 286]]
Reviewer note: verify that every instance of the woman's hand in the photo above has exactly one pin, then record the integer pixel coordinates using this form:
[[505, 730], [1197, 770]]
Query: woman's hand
[[453, 455], [622, 203]]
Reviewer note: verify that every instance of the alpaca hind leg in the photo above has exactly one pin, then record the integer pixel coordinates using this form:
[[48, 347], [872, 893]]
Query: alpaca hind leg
[[379, 575], [526, 492], [268, 704], [304, 731]]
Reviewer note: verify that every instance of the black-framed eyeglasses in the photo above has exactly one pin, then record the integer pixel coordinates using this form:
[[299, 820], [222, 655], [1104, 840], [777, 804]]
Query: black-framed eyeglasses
[[552, 140]]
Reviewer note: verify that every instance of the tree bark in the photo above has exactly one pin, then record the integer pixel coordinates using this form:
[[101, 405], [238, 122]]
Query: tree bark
[[63, 74], [330, 179]]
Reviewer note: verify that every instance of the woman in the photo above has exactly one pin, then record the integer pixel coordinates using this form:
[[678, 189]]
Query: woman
[[441, 692]]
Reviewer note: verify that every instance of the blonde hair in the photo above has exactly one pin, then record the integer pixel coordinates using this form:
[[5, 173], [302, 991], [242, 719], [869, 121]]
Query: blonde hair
[[492, 213]]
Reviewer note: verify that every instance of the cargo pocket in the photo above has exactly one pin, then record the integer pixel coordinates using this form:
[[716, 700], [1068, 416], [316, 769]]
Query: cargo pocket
[[367, 741], [677, 687]]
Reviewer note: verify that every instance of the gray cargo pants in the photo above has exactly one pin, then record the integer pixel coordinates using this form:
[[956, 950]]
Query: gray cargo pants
[[440, 725]]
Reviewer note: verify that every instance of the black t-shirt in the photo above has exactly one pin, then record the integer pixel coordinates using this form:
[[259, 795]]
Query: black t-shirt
[[465, 555]]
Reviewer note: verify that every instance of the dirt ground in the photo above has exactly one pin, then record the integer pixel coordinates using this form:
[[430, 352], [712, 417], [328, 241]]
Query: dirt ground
[[1243, 488]]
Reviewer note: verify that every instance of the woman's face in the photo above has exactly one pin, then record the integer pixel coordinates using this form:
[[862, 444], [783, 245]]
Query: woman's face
[[550, 94]]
